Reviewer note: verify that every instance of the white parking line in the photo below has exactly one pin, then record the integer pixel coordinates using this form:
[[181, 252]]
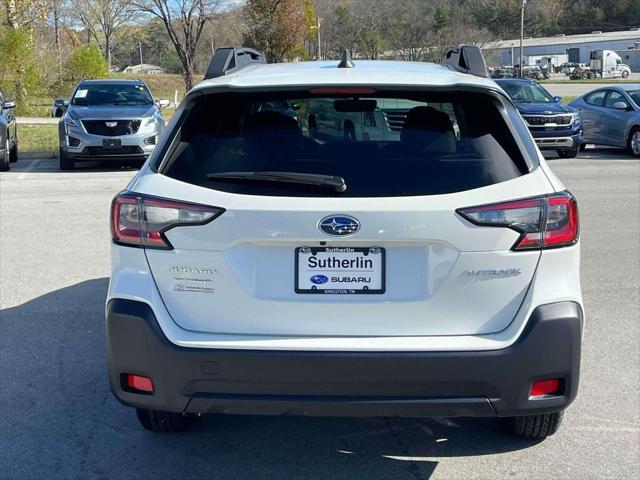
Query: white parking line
[[34, 164]]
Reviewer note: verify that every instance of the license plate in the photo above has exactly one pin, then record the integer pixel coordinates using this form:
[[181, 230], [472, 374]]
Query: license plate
[[340, 270], [112, 143]]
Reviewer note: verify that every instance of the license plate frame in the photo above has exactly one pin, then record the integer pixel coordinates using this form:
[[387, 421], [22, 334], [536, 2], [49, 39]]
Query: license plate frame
[[319, 290], [112, 143]]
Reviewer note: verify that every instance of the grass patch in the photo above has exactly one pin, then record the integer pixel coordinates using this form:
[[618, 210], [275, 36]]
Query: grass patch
[[567, 99], [38, 138]]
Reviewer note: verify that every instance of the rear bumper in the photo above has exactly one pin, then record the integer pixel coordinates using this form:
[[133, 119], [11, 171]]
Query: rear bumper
[[408, 384]]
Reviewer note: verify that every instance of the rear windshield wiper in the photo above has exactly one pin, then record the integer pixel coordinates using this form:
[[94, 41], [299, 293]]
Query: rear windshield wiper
[[324, 181]]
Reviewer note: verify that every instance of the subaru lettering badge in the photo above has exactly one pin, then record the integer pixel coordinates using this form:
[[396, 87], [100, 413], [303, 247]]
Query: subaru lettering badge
[[319, 279], [339, 225]]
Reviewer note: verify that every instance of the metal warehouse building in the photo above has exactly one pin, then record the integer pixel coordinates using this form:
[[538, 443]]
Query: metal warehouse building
[[577, 47]]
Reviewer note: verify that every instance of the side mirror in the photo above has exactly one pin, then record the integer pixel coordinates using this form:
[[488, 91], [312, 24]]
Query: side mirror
[[9, 104], [621, 105], [163, 104], [557, 99]]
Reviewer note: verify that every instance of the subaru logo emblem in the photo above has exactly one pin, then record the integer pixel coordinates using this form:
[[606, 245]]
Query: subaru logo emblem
[[339, 225], [319, 279]]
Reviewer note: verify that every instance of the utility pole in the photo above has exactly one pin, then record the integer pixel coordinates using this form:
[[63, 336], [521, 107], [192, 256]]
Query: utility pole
[[213, 50], [524, 2], [140, 47]]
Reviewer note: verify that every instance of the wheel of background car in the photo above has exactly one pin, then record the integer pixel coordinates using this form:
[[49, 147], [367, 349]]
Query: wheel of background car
[[634, 142], [66, 163], [625, 73], [13, 154], [568, 153], [4, 161]]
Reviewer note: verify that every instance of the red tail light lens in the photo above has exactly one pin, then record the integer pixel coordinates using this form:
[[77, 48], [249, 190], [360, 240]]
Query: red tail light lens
[[543, 222], [545, 387], [139, 383], [142, 221]]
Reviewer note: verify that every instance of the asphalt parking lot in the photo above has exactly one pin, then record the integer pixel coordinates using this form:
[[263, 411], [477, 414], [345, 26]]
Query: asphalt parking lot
[[59, 420]]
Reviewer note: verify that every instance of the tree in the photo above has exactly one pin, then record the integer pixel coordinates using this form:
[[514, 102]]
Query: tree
[[184, 21], [18, 64], [102, 19], [407, 28], [278, 27], [24, 13], [87, 62]]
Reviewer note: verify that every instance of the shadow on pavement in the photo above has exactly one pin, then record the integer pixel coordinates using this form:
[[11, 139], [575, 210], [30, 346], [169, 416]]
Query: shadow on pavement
[[60, 420]]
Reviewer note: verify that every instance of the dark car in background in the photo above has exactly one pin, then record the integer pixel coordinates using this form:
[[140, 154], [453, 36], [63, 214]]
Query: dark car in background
[[8, 134], [554, 126], [611, 116], [109, 120]]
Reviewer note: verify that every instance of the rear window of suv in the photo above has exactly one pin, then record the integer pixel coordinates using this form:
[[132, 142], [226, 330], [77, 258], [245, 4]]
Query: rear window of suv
[[380, 144]]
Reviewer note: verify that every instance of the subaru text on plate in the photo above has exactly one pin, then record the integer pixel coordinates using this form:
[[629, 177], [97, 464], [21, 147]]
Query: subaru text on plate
[[259, 269], [109, 120]]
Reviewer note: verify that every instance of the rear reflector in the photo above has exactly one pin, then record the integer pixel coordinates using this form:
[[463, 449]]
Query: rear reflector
[[548, 221], [141, 384], [545, 387], [142, 221]]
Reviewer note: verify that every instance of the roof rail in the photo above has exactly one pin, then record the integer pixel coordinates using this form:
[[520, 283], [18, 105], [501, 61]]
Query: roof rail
[[229, 59], [466, 59]]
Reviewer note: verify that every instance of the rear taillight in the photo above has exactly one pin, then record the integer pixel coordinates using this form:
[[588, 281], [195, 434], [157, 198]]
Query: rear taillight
[[142, 221], [543, 222]]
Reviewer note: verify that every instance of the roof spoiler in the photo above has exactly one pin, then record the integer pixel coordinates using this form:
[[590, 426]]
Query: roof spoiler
[[466, 59], [229, 59]]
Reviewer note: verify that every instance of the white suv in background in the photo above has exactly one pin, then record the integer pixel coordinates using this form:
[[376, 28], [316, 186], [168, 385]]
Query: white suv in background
[[260, 268]]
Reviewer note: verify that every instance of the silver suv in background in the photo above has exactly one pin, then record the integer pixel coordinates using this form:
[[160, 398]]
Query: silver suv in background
[[109, 120]]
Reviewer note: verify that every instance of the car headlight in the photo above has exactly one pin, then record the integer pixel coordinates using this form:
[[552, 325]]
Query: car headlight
[[70, 121], [150, 123], [575, 118]]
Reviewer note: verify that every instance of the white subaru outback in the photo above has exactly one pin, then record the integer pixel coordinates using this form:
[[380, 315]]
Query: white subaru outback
[[345, 239]]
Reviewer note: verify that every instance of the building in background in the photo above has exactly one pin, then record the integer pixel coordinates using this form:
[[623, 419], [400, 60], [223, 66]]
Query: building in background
[[631, 56], [576, 47]]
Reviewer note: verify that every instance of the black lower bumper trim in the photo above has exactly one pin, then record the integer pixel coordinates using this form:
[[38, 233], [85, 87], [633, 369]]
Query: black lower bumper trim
[[408, 384]]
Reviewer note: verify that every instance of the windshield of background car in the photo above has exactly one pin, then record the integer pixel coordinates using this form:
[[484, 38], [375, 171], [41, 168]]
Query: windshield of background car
[[112, 94], [382, 145], [521, 92]]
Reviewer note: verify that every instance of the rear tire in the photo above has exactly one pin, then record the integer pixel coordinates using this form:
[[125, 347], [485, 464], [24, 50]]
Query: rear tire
[[66, 163], [164, 422], [537, 426], [625, 74], [568, 153], [633, 143]]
